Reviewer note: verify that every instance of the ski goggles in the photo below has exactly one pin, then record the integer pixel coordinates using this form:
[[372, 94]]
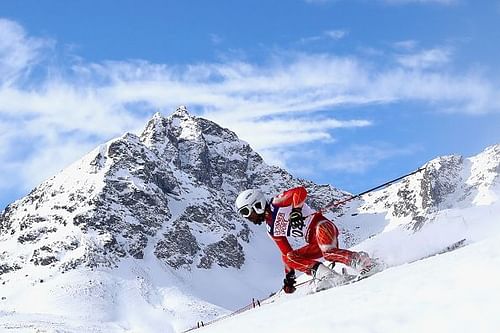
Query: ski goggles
[[246, 210]]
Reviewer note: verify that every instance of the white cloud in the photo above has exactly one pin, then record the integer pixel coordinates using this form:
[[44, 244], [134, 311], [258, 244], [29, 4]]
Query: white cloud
[[425, 59], [360, 158], [328, 34], [288, 101], [465, 93], [311, 39], [281, 132], [407, 45], [18, 52], [352, 159], [336, 34]]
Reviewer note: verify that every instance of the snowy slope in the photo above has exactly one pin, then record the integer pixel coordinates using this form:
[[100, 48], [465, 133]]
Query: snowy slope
[[452, 292]]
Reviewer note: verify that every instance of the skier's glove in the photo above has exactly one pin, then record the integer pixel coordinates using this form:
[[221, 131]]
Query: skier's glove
[[296, 218], [289, 282]]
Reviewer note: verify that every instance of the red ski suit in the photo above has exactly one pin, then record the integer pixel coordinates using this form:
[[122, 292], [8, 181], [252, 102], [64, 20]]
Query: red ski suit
[[319, 233]]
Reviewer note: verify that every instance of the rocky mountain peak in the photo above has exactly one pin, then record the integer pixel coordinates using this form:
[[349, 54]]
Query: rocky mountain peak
[[444, 183], [181, 112], [168, 193], [489, 159], [179, 126]]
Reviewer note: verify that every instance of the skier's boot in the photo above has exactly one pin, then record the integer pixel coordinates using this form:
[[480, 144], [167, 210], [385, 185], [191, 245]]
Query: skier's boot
[[363, 264], [324, 277]]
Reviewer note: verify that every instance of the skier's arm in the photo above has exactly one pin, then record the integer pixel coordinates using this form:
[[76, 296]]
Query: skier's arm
[[289, 281], [285, 247], [294, 197]]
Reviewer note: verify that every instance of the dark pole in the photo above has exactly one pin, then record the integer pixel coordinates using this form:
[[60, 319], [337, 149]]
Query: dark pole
[[341, 202]]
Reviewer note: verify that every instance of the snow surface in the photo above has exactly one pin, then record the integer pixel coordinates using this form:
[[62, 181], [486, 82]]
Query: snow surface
[[452, 292]]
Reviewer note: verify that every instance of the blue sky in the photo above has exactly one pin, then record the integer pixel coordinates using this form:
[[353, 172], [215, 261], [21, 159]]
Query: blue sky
[[350, 93]]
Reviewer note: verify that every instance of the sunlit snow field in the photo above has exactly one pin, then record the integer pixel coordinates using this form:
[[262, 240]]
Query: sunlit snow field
[[451, 292]]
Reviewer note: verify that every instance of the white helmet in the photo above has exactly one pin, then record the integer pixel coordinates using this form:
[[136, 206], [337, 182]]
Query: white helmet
[[251, 199]]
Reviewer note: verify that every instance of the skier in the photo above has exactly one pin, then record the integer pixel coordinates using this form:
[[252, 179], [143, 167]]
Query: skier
[[287, 215]]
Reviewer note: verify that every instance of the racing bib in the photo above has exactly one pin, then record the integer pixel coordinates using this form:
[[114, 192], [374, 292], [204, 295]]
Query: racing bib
[[280, 225]]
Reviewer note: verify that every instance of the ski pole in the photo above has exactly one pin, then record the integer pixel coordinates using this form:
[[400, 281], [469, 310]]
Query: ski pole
[[341, 202]]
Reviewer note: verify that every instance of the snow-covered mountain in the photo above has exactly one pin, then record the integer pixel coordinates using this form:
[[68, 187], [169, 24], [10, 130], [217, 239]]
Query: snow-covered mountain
[[170, 190], [446, 197], [159, 202], [141, 233]]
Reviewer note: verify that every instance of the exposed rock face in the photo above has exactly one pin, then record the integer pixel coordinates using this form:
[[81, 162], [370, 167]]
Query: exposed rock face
[[169, 193], [445, 182]]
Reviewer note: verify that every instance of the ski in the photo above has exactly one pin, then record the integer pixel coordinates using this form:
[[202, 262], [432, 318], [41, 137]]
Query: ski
[[380, 266], [353, 278], [449, 248]]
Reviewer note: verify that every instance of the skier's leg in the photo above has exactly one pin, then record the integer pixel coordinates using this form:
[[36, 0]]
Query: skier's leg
[[303, 259], [327, 239], [324, 277]]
